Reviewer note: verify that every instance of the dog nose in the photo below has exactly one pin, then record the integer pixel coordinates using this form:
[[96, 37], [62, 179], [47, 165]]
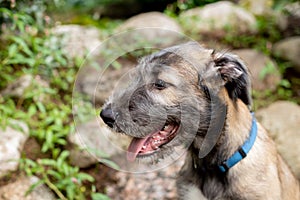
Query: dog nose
[[108, 116]]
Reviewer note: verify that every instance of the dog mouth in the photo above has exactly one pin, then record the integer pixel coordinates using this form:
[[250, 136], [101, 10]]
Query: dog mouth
[[141, 147]]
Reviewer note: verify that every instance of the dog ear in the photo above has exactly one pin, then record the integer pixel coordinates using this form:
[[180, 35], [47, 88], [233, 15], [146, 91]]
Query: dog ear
[[235, 75]]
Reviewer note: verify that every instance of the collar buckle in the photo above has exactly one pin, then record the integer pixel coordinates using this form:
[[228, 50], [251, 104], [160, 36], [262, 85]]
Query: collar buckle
[[224, 167], [242, 152]]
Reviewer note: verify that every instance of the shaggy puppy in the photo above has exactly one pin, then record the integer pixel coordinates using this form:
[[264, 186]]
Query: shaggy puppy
[[200, 99]]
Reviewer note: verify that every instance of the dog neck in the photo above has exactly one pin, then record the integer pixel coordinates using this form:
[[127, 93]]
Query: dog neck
[[235, 132]]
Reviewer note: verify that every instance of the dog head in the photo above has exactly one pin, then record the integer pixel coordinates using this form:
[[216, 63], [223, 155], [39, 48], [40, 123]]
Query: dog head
[[173, 96]]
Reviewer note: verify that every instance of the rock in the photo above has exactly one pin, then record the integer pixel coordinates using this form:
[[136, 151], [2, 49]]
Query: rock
[[280, 19], [264, 8], [286, 141], [258, 7], [78, 40], [93, 141], [18, 87], [264, 71], [279, 116], [99, 84], [150, 19], [289, 49], [18, 189], [282, 120], [293, 9], [11, 144], [218, 19], [292, 13], [26, 82], [152, 28]]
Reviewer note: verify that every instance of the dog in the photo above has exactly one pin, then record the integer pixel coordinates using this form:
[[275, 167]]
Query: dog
[[200, 99]]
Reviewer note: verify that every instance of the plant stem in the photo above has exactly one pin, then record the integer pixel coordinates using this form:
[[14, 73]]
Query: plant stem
[[54, 188]]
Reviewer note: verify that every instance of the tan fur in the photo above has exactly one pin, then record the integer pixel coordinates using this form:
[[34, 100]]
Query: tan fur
[[271, 179], [277, 181]]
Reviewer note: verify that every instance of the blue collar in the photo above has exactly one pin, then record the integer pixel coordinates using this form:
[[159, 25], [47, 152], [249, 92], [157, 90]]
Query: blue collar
[[242, 152]]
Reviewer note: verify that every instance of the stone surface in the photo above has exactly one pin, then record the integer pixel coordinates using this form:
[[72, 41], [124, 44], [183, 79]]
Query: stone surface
[[97, 83], [293, 9], [289, 49], [280, 19], [11, 144], [18, 87], [152, 28], [282, 120], [18, 189], [218, 19], [150, 19], [292, 13], [26, 82], [92, 140], [263, 8], [78, 40], [288, 146], [257, 7], [264, 71]]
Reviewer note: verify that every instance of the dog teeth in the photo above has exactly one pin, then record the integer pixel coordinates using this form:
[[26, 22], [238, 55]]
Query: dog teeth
[[166, 127], [156, 137], [156, 141], [156, 147], [144, 147]]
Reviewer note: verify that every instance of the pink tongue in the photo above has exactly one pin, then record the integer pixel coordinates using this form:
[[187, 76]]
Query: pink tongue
[[135, 147]]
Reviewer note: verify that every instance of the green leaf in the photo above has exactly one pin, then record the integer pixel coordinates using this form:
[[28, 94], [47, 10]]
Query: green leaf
[[116, 65], [65, 169], [58, 121], [268, 69], [285, 83], [61, 141], [33, 186], [55, 174], [45, 147], [20, 59], [99, 196], [12, 50], [20, 41], [48, 162], [30, 163], [70, 193], [49, 120], [41, 107], [32, 110], [49, 138], [84, 176], [110, 163], [55, 152], [62, 157]]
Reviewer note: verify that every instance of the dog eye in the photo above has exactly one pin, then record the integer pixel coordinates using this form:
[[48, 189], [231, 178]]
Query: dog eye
[[160, 84]]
